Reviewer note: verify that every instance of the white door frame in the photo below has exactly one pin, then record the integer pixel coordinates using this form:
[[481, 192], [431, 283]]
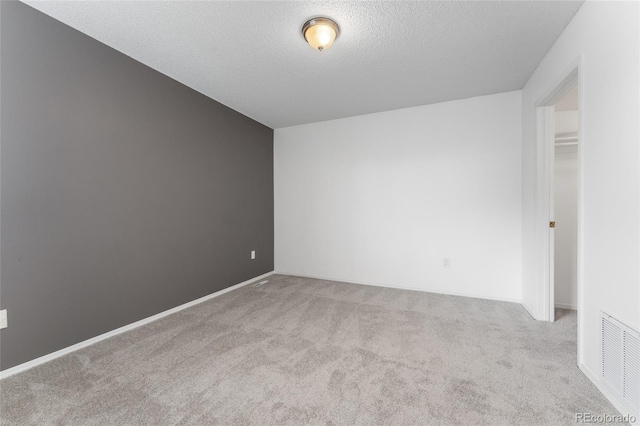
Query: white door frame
[[545, 150]]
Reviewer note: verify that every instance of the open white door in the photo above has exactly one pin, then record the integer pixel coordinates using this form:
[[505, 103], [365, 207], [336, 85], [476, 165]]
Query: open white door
[[551, 159], [546, 144]]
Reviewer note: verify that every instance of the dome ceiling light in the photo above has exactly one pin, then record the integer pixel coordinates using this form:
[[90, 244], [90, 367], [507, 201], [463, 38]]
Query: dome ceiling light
[[320, 32]]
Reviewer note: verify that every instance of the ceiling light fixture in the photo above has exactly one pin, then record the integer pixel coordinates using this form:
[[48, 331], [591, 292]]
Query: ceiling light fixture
[[320, 32]]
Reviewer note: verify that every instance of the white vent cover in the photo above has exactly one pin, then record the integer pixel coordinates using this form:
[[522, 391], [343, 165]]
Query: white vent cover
[[620, 360]]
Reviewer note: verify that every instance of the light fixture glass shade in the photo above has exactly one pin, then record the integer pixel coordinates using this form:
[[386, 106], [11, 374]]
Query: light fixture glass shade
[[320, 33]]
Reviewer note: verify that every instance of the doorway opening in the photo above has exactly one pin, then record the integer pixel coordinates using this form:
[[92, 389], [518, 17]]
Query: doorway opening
[[559, 197], [564, 203]]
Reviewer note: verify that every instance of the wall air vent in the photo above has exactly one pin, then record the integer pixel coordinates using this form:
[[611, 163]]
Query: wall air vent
[[620, 360]]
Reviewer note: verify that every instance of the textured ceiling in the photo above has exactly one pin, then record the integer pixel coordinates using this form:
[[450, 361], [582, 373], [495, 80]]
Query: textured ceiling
[[252, 57]]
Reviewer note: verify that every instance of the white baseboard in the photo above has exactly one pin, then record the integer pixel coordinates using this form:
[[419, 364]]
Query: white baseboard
[[57, 354], [499, 299], [528, 309], [620, 405], [565, 306]]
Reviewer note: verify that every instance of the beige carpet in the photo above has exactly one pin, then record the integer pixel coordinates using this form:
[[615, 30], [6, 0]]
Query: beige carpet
[[302, 351]]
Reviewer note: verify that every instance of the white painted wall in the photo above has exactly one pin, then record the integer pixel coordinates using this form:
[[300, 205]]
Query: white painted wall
[[606, 34], [566, 122], [383, 198], [566, 230]]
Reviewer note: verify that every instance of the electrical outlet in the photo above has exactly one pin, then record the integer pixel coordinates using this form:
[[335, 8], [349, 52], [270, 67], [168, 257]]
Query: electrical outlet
[[3, 318], [253, 254], [445, 262]]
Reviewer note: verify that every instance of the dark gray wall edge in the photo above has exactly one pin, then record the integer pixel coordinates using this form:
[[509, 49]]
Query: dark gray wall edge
[[124, 193]]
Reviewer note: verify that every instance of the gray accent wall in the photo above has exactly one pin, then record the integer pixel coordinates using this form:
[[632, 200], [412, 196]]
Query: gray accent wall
[[123, 192]]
